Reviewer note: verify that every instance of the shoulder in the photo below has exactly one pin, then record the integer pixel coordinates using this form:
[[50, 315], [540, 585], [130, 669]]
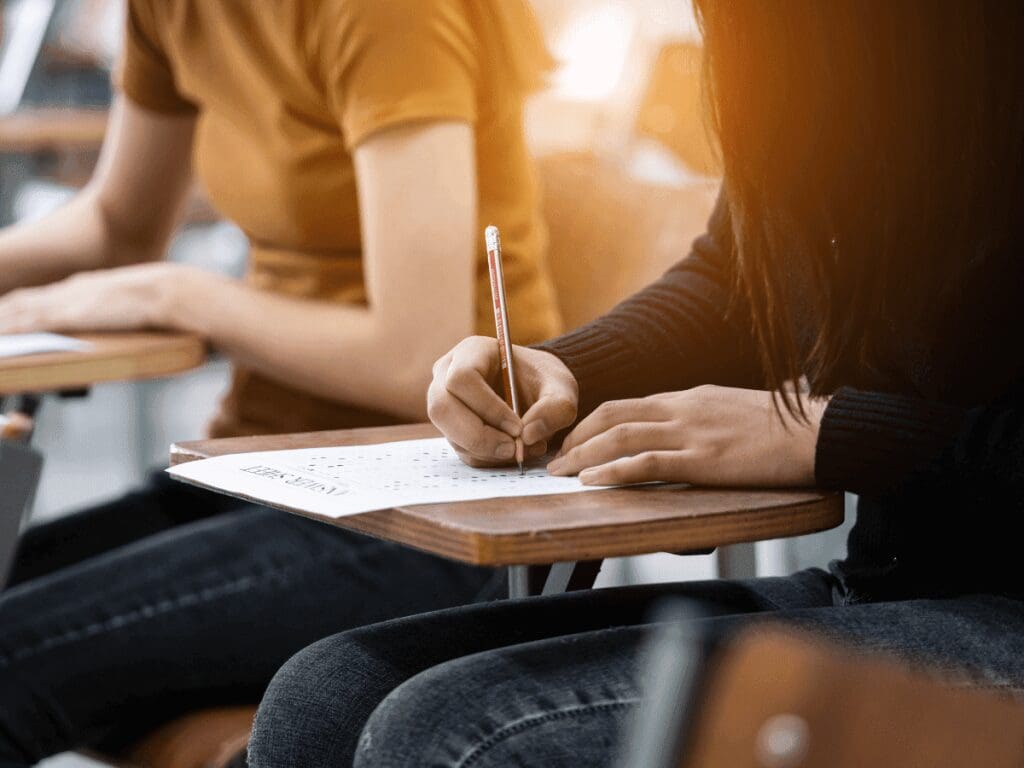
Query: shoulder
[[389, 32], [382, 17]]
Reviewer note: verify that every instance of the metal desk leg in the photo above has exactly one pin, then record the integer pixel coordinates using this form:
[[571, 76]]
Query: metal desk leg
[[568, 576], [518, 581], [737, 561], [20, 466]]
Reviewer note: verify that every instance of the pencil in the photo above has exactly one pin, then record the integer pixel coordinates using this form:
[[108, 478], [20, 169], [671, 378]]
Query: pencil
[[508, 373]]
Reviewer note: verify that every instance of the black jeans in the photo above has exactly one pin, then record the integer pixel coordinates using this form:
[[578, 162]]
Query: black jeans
[[126, 615], [549, 682]]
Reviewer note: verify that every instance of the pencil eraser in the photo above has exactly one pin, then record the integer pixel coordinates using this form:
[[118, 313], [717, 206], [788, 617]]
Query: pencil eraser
[[492, 238]]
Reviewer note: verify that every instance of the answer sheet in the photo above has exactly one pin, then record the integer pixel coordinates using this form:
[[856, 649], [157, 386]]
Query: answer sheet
[[335, 482], [19, 344]]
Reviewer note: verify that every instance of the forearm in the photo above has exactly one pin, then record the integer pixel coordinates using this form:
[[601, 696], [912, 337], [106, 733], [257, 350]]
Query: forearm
[[74, 238], [125, 215], [374, 359]]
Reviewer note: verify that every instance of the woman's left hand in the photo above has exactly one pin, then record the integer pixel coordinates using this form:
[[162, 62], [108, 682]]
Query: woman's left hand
[[706, 436], [116, 299]]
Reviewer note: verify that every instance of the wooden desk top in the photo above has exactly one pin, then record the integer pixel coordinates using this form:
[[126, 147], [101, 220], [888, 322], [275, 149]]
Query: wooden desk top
[[113, 357], [50, 129], [546, 529]]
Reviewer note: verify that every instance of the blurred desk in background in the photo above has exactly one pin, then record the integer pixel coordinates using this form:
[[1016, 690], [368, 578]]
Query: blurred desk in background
[[111, 357], [52, 129]]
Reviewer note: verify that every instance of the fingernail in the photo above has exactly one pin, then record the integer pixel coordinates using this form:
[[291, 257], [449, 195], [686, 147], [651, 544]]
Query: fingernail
[[505, 451], [555, 466], [510, 427], [587, 477]]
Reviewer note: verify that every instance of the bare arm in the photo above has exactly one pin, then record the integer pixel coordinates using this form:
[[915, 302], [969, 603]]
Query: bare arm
[[417, 202], [124, 215], [417, 199]]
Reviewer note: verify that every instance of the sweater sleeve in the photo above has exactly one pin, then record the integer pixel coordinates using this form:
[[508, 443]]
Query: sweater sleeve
[[677, 333], [873, 442]]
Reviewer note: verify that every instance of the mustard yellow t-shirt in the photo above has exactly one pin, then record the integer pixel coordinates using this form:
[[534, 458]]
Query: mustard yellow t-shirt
[[284, 91]]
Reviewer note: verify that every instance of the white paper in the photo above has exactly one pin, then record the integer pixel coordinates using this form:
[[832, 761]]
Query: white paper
[[335, 482], [19, 344]]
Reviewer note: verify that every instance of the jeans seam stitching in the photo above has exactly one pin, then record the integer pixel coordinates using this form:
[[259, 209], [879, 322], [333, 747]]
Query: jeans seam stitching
[[531, 721], [153, 609]]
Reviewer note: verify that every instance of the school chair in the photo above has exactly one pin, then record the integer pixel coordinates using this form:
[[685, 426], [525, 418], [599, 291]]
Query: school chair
[[611, 233], [211, 738], [778, 698], [671, 111]]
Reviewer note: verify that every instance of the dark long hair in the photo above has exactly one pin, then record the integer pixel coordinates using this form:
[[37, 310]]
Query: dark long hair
[[872, 146]]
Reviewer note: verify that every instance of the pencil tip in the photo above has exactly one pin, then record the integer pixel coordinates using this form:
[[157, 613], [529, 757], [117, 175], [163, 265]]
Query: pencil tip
[[522, 469]]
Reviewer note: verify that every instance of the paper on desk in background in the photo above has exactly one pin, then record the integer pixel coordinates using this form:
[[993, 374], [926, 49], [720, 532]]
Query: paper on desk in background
[[19, 344], [335, 482]]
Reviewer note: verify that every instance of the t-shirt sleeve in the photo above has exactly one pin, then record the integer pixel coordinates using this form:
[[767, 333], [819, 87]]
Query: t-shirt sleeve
[[400, 61], [144, 73]]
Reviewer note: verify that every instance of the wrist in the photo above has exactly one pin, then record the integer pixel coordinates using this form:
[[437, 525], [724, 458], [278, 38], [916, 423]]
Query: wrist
[[187, 294]]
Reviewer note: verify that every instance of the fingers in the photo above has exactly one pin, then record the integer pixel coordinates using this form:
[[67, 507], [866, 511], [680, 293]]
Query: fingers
[[464, 405], [478, 444], [629, 439], [460, 402], [547, 416], [473, 365], [537, 450], [615, 412], [653, 466], [479, 462]]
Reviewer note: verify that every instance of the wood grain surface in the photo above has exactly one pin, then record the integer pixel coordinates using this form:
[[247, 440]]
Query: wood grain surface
[[113, 357], [53, 130], [546, 529]]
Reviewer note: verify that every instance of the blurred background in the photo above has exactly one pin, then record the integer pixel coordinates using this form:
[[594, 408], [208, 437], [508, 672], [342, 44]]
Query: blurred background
[[629, 180]]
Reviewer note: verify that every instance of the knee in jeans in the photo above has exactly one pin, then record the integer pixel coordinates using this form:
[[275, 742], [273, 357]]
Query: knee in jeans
[[300, 721], [428, 720]]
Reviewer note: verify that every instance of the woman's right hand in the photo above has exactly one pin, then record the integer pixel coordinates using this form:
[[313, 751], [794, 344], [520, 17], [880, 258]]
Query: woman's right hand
[[465, 404]]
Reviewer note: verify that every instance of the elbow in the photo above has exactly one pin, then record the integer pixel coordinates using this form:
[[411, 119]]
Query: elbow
[[124, 241], [403, 389], [410, 402], [413, 366]]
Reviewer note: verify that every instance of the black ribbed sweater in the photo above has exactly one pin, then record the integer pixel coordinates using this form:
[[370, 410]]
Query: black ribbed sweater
[[934, 445]]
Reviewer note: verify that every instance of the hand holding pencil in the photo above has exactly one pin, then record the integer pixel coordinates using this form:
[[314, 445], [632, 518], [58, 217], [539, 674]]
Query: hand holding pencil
[[539, 395]]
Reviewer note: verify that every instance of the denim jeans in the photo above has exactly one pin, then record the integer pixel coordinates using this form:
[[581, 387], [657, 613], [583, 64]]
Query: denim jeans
[[551, 681], [171, 599]]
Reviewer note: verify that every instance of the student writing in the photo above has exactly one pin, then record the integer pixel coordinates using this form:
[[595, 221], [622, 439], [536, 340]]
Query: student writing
[[869, 238]]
